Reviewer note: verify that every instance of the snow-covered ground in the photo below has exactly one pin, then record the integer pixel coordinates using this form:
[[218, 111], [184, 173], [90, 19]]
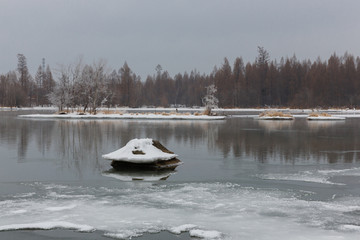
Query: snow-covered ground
[[182, 113]]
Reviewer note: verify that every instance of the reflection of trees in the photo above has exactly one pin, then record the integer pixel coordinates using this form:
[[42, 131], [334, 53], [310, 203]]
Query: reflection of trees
[[268, 141], [78, 144]]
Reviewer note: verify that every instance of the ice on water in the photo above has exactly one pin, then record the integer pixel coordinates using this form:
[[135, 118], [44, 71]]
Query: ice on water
[[206, 210], [314, 176]]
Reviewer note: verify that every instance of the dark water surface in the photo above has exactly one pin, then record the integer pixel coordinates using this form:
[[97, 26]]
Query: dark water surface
[[241, 177]]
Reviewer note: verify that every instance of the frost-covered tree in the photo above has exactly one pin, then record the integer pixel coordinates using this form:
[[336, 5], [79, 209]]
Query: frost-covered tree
[[98, 87], [61, 94], [210, 100]]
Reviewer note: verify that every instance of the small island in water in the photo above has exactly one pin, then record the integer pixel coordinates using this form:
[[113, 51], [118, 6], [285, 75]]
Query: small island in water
[[275, 115], [323, 117], [125, 115], [143, 154]]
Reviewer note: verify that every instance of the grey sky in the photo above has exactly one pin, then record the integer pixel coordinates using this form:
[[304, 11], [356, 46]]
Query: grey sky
[[180, 35]]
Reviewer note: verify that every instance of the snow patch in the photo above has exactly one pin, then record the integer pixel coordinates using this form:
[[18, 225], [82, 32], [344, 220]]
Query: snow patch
[[182, 228], [205, 234], [123, 235], [150, 153]]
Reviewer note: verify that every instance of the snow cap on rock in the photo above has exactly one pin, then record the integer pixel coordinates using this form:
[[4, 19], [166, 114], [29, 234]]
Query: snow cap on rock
[[139, 151]]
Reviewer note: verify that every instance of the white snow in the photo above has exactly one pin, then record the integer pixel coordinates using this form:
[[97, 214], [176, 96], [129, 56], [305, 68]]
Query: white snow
[[182, 228], [205, 234], [152, 154]]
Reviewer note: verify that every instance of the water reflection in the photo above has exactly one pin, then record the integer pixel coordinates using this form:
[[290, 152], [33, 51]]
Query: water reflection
[[138, 175], [78, 144], [299, 140], [316, 125], [275, 125]]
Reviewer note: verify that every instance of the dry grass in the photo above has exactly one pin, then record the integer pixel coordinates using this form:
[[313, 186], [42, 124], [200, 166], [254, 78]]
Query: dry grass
[[112, 112], [207, 112], [274, 114], [319, 115]]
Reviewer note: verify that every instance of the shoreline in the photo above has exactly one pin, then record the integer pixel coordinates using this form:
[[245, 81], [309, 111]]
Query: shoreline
[[145, 113], [125, 116], [192, 109]]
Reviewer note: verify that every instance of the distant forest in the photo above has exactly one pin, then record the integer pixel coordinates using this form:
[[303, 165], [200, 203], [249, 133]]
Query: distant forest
[[262, 83]]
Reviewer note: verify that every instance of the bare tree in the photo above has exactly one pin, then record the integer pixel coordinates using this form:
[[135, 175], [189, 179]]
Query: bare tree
[[61, 95], [98, 87]]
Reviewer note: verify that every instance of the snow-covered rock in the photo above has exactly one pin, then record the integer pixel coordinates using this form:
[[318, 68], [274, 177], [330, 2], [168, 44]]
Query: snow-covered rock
[[143, 153]]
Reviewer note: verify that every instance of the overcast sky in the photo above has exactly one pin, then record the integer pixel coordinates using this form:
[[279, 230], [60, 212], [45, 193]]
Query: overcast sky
[[180, 35]]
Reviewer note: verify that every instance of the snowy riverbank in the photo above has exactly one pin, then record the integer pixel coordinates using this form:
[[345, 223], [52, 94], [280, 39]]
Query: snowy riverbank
[[126, 116], [182, 113]]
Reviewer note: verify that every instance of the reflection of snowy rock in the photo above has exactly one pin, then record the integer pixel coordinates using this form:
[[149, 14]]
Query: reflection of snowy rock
[[138, 175], [276, 125], [143, 153], [319, 124]]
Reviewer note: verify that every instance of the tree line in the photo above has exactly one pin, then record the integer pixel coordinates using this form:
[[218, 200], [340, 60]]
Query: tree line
[[19, 88], [264, 82]]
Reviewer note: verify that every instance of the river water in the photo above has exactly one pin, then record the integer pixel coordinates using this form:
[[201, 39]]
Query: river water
[[241, 178]]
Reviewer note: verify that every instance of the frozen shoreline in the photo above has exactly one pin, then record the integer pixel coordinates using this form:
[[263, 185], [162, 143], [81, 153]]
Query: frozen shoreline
[[125, 116], [194, 109], [153, 113]]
